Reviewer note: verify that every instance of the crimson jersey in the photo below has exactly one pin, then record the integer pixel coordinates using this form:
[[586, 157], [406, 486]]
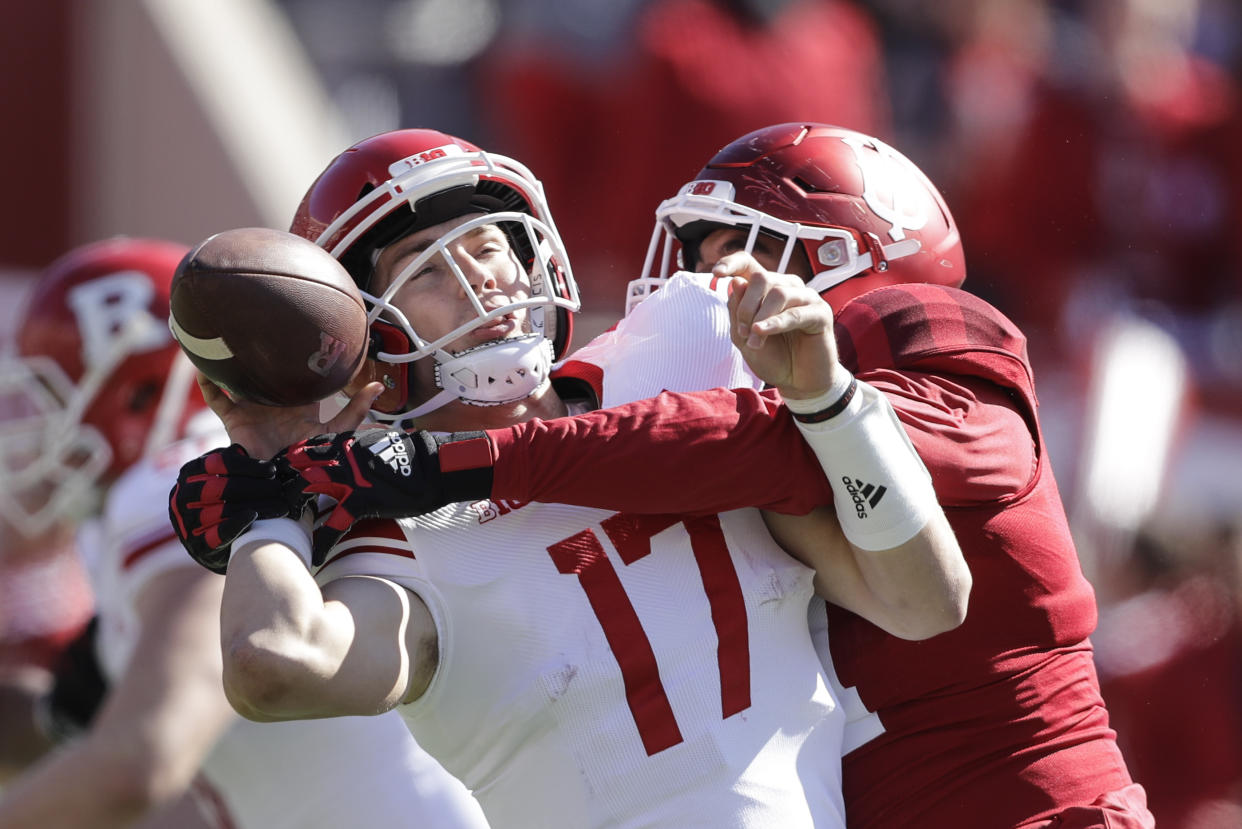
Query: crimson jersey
[[1002, 716], [995, 723]]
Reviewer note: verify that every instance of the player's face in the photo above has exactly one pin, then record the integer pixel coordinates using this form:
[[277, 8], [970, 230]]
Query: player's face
[[432, 296], [767, 251]]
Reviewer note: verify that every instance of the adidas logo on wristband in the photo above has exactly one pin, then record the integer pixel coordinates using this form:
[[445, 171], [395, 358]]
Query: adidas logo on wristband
[[863, 494]]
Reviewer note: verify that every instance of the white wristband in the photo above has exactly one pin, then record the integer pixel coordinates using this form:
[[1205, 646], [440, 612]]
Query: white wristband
[[841, 381], [292, 534], [883, 492]]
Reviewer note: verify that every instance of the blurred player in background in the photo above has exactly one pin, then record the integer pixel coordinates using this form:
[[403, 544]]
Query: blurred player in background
[[666, 679], [1000, 722], [553, 79], [112, 414], [45, 601]]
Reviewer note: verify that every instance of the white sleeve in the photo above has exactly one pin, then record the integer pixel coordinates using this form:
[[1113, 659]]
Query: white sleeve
[[677, 340], [380, 549]]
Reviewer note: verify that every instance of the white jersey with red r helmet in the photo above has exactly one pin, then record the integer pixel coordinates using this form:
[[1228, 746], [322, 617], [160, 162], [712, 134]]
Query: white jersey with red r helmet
[[353, 771]]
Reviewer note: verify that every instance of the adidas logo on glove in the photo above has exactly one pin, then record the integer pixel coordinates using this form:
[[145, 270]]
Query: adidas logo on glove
[[391, 449]]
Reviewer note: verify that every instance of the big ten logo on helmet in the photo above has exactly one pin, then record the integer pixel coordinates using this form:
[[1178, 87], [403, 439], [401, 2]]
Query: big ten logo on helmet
[[113, 316], [410, 162], [487, 510], [890, 188], [722, 190]]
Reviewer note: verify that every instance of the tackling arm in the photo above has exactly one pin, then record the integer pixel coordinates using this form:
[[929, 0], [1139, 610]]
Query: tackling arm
[[887, 551]]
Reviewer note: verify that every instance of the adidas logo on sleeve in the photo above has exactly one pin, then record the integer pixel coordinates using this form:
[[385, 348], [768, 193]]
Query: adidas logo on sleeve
[[863, 495]]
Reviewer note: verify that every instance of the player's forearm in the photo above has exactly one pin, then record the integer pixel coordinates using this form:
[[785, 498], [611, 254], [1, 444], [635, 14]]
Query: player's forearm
[[921, 587], [694, 453], [270, 617], [913, 579]]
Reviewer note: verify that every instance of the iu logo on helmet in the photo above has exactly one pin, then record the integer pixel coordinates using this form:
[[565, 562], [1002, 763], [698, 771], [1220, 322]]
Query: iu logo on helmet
[[888, 187]]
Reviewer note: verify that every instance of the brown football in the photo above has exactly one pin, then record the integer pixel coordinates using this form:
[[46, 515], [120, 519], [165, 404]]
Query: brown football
[[268, 316]]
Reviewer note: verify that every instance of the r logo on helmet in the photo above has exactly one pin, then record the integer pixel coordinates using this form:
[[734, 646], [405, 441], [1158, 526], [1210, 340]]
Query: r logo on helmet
[[115, 307]]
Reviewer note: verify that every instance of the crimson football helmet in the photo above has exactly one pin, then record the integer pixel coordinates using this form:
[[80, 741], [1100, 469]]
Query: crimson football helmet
[[862, 212], [400, 182], [92, 381]]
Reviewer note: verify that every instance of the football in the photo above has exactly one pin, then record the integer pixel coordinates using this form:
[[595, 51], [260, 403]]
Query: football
[[268, 316]]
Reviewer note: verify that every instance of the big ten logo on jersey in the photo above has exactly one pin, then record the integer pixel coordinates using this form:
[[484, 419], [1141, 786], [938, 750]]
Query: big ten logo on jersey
[[487, 510], [891, 186], [113, 316]]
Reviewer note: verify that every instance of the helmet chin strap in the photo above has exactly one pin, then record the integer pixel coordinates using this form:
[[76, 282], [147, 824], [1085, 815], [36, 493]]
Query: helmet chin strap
[[491, 374]]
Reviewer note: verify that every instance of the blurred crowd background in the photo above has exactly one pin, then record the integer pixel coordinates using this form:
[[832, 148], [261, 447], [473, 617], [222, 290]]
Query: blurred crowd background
[[1091, 151]]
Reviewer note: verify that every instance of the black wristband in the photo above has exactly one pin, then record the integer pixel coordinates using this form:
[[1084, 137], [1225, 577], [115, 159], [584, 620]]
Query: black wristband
[[833, 410]]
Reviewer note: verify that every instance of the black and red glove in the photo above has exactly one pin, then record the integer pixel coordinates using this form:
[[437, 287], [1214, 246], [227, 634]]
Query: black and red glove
[[386, 473], [220, 494]]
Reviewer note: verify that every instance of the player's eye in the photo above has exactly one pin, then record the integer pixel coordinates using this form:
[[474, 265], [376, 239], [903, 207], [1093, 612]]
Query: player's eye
[[427, 268], [766, 246]]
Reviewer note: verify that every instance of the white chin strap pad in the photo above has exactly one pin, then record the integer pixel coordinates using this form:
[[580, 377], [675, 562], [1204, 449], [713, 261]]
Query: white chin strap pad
[[501, 371]]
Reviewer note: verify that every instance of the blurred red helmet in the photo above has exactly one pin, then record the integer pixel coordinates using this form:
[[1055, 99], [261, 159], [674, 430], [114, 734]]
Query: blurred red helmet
[[862, 212], [93, 380], [396, 183]]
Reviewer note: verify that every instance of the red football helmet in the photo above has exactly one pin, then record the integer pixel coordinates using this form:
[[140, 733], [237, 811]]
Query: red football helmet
[[93, 380], [400, 182], [862, 212]]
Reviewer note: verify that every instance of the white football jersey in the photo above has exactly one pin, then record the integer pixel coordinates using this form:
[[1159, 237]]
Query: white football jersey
[[690, 315], [609, 670], [355, 771]]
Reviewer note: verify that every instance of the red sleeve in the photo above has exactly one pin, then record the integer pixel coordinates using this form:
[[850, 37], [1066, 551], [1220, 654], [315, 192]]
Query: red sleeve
[[968, 431], [696, 453]]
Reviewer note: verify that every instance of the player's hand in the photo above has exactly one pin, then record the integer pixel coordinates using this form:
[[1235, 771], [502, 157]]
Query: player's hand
[[220, 494], [387, 473], [782, 327], [265, 430]]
